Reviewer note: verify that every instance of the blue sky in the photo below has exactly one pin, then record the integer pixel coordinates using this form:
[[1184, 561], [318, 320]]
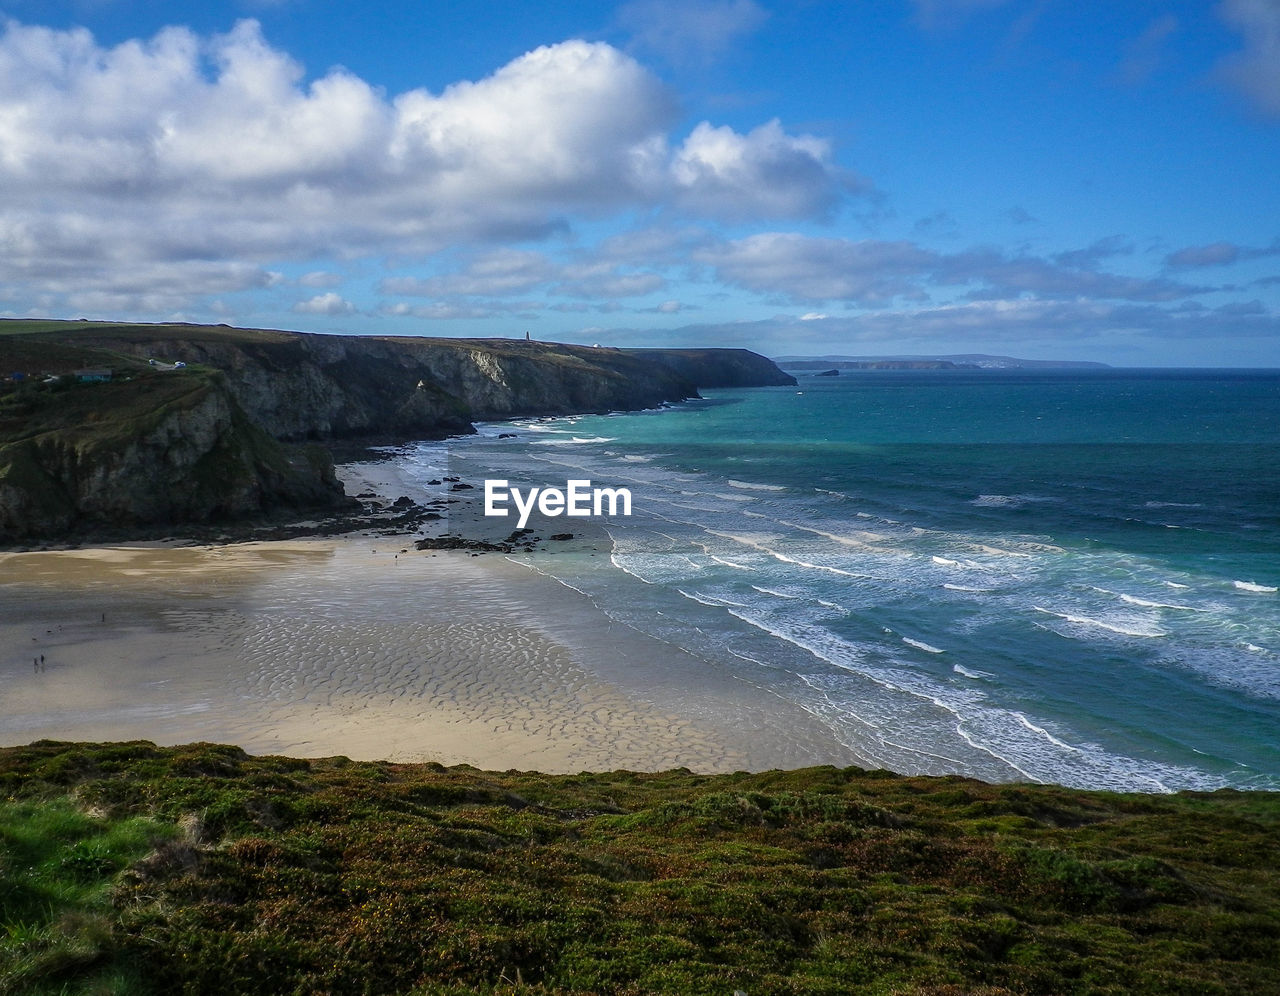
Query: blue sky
[[1031, 177]]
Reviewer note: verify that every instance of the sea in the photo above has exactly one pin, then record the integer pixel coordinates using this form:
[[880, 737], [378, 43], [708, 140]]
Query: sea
[[1063, 576]]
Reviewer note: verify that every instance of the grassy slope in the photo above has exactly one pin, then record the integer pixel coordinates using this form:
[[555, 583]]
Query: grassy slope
[[334, 876]]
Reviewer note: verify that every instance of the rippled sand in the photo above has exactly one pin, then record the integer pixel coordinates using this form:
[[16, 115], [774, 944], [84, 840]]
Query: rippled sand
[[350, 646]]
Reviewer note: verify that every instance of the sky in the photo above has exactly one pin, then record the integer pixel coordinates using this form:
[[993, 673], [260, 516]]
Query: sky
[[1037, 178]]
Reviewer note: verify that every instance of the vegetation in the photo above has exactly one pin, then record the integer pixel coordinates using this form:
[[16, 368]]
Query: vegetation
[[134, 869]]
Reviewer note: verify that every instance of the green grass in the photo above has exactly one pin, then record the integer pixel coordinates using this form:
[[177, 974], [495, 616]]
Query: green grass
[[57, 865], [342, 877]]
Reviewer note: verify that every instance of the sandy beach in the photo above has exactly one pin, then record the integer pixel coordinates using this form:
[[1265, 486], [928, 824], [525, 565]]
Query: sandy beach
[[362, 646]]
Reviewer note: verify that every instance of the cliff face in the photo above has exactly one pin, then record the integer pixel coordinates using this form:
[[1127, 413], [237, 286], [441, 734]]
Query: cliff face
[[719, 367], [163, 444], [301, 386], [126, 455]]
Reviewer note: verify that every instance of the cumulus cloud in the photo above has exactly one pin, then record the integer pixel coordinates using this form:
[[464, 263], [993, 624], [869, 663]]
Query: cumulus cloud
[[325, 304], [763, 174], [1255, 69], [175, 150]]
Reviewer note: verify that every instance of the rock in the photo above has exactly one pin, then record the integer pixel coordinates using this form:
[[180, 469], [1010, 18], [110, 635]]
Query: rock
[[562, 536], [463, 487], [827, 373]]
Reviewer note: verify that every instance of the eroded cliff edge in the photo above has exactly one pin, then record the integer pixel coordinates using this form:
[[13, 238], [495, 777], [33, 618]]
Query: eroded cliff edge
[[202, 424]]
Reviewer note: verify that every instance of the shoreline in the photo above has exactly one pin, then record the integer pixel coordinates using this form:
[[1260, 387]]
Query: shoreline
[[359, 645]]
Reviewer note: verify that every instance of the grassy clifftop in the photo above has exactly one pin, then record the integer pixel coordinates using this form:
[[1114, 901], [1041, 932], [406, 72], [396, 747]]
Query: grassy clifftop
[[199, 869]]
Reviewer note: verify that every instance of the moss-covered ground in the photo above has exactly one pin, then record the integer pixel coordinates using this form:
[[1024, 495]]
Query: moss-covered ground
[[129, 868]]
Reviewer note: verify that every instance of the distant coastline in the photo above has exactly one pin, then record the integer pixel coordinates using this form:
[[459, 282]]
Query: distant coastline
[[961, 361]]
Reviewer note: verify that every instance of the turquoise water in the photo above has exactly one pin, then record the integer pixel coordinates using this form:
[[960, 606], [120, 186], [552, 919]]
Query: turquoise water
[[1055, 576]]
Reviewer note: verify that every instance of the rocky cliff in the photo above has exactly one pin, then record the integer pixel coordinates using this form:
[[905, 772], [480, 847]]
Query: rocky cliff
[[191, 426], [718, 367], [149, 451], [306, 386]]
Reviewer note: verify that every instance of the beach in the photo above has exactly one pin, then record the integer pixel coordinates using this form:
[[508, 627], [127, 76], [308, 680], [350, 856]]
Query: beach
[[362, 646]]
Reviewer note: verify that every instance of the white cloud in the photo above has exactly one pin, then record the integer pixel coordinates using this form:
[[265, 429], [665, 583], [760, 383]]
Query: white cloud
[[159, 153], [763, 174], [1256, 69], [325, 304], [819, 269], [504, 271], [438, 311], [603, 280], [511, 271]]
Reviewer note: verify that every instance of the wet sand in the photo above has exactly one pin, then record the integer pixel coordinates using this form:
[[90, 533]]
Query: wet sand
[[362, 646]]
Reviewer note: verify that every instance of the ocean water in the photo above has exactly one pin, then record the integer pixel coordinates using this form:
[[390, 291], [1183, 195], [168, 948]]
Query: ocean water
[[1055, 576]]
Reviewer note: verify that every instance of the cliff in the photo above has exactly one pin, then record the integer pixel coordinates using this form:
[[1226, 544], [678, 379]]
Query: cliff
[[306, 386], [190, 426], [151, 450], [719, 367]]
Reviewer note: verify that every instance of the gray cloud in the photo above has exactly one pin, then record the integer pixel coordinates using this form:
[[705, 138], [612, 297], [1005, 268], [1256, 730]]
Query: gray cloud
[[873, 273], [1218, 254], [802, 268]]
